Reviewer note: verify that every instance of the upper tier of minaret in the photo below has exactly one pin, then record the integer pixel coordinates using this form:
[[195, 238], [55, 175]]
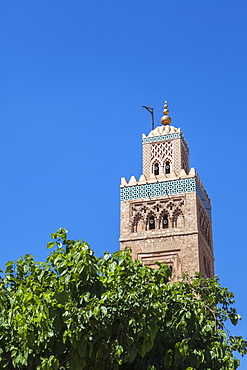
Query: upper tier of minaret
[[165, 149]]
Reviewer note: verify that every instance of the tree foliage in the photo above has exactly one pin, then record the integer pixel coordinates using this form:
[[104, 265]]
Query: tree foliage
[[76, 311]]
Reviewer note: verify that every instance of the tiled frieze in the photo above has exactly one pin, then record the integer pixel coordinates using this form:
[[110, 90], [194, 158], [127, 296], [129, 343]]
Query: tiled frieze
[[160, 138], [203, 200], [165, 188], [158, 189]]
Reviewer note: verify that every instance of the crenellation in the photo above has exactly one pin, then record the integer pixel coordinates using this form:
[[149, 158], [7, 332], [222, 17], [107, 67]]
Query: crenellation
[[161, 177], [152, 178], [172, 175], [142, 180], [132, 181], [123, 181], [182, 173], [192, 172]]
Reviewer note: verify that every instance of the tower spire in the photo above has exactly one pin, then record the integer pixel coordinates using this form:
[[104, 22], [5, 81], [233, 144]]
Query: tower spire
[[165, 120]]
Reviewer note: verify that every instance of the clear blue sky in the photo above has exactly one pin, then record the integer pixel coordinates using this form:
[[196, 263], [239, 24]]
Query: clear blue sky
[[73, 78]]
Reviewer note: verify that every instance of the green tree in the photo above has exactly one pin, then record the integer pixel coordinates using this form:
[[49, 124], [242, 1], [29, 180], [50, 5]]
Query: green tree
[[76, 311]]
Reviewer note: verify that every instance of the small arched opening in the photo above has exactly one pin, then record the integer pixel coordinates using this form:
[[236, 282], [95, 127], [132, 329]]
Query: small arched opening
[[151, 223], [156, 169], [167, 167], [165, 222]]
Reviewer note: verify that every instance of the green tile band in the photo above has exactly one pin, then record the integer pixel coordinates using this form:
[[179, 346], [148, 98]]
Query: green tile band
[[159, 189]]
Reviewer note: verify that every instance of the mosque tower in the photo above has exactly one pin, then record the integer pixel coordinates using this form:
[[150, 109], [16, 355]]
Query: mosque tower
[[166, 214]]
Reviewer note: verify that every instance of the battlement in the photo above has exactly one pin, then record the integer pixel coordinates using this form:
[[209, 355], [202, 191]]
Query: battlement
[[162, 177]]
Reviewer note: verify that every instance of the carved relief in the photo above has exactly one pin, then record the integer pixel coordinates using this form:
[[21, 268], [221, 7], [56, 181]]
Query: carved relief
[[204, 225], [184, 159], [207, 266], [161, 154], [138, 223], [178, 218], [170, 258], [155, 215]]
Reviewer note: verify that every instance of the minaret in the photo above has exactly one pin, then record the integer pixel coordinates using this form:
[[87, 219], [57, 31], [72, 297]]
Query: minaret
[[166, 215]]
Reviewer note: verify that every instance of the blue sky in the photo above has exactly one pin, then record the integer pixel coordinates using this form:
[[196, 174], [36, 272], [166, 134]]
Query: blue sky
[[73, 78]]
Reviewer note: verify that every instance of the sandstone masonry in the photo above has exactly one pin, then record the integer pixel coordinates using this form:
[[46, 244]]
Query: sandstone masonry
[[166, 214]]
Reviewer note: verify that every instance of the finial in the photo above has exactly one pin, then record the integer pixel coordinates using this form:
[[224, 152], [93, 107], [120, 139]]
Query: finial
[[165, 120]]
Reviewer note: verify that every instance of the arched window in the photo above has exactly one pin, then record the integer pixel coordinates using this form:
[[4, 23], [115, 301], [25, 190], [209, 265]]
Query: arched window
[[165, 223], [168, 167], [156, 169], [151, 223]]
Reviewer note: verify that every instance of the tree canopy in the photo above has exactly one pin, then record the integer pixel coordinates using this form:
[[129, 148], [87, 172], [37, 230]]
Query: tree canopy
[[76, 311]]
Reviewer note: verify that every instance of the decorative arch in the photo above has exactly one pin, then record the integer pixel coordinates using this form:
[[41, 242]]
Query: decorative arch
[[138, 223], [167, 166], [164, 220], [178, 218], [156, 168], [150, 221]]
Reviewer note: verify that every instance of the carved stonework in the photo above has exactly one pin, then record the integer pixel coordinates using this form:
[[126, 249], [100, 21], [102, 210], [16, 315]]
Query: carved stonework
[[166, 214]]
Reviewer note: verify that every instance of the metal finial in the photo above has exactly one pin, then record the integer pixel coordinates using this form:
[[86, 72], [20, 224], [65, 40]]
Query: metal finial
[[165, 120]]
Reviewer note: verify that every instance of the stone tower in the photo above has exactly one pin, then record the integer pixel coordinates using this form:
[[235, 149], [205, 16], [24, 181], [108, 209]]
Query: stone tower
[[166, 215]]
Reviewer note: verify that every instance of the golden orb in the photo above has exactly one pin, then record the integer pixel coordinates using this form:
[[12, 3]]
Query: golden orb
[[165, 120]]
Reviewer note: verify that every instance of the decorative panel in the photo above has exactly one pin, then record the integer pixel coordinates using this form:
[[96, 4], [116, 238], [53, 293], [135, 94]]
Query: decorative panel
[[203, 200], [154, 139], [165, 188], [158, 189]]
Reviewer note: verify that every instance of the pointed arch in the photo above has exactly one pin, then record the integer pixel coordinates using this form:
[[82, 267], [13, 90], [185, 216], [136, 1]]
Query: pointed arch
[[178, 218], [167, 167], [156, 169], [150, 221], [164, 220], [138, 223]]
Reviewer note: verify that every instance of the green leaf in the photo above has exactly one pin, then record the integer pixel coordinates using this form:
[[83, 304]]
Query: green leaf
[[50, 245], [9, 263]]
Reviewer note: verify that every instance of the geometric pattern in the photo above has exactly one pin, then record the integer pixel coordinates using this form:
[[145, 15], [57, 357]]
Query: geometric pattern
[[203, 200], [184, 159], [162, 152], [158, 189], [160, 138], [165, 137]]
